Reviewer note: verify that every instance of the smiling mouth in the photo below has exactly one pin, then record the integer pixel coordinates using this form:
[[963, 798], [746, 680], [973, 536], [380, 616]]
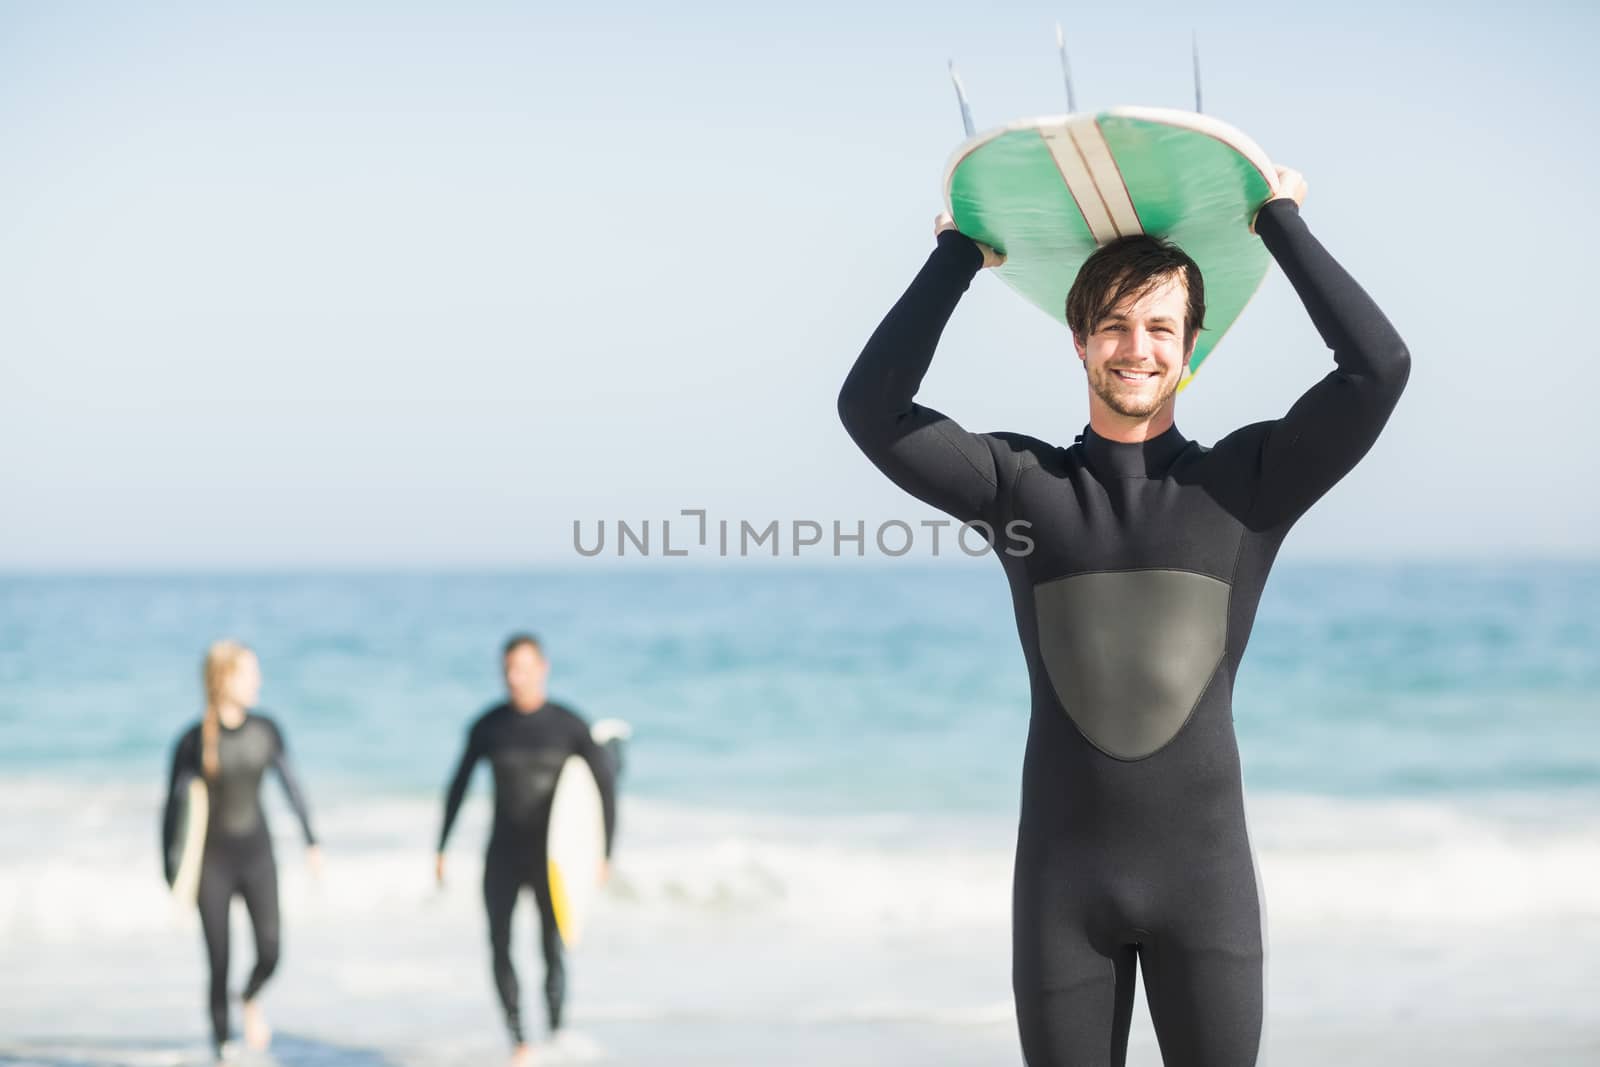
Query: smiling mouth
[[1134, 375]]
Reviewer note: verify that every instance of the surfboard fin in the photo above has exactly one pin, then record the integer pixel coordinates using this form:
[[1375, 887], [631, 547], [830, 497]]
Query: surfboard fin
[[1194, 41], [1066, 70], [961, 96], [609, 729], [611, 735]]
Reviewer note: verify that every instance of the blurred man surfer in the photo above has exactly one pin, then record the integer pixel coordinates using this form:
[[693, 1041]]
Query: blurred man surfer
[[526, 740]]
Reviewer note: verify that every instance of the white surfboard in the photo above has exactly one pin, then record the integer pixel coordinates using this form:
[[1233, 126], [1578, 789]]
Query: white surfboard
[[576, 843], [191, 843]]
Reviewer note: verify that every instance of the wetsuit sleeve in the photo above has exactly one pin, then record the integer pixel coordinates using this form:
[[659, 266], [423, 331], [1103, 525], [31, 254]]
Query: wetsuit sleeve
[[291, 785], [458, 784], [185, 761], [605, 776], [1328, 430], [923, 452]]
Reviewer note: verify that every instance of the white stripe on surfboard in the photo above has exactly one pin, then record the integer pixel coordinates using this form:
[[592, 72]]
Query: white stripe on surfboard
[[1075, 172], [1107, 178]]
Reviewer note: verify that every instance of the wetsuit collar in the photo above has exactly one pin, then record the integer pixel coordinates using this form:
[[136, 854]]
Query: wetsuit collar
[[1141, 459]]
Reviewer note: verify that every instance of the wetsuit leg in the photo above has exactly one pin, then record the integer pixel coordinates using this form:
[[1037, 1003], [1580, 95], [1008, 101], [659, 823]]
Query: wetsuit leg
[[501, 883], [555, 973], [1206, 1007], [259, 887], [1074, 991], [1085, 1025], [1203, 979], [215, 893]]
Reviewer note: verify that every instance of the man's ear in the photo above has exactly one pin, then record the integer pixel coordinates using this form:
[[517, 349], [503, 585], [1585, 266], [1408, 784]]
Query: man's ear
[[1078, 346]]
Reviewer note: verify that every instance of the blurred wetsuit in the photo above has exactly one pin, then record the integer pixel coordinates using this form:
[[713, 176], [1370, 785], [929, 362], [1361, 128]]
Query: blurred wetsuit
[[238, 848], [1133, 606], [526, 751]]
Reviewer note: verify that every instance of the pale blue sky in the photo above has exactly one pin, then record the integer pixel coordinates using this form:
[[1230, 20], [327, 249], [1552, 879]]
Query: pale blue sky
[[322, 284]]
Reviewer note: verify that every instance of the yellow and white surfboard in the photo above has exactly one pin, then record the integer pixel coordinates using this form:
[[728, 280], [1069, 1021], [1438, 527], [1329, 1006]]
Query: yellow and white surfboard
[[576, 842]]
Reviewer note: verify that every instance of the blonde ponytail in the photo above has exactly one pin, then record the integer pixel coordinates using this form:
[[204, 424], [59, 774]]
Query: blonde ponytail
[[222, 659]]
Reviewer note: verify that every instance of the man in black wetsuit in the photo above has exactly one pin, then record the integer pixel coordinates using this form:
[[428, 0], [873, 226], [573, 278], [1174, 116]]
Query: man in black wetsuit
[[1133, 603], [526, 740]]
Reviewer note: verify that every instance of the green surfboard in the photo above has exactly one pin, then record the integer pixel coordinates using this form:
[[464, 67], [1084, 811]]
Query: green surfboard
[[1048, 191]]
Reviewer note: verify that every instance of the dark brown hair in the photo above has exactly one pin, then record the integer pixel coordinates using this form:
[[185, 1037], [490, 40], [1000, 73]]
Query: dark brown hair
[[1128, 268], [516, 641]]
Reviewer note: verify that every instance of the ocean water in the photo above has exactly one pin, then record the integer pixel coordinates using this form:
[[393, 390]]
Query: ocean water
[[815, 849]]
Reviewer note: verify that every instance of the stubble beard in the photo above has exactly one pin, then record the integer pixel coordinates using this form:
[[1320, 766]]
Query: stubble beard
[[1129, 404]]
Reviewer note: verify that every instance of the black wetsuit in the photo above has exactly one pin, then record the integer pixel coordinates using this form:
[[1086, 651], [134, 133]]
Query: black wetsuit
[[238, 848], [1133, 606], [526, 751]]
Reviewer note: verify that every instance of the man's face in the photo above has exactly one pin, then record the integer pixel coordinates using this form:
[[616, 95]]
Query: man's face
[[1135, 356], [526, 670]]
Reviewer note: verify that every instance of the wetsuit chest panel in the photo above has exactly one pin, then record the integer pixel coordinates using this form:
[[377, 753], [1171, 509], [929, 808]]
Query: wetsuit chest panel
[[1129, 653]]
